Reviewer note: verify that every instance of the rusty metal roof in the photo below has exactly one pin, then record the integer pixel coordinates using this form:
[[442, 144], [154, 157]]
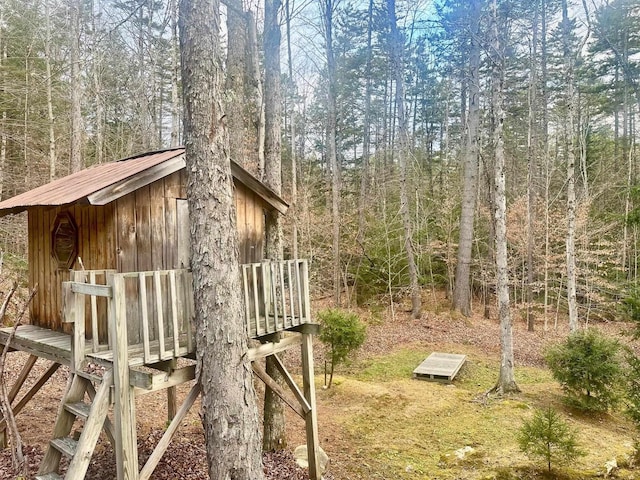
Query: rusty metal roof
[[85, 186]]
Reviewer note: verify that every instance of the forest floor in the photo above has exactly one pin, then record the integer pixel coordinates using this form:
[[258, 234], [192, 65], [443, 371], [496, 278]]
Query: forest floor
[[376, 422]]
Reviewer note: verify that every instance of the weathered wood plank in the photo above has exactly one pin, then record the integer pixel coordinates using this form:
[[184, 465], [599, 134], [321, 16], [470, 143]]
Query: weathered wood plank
[[126, 445], [152, 382], [91, 430], [91, 289], [311, 417], [157, 289], [131, 184], [272, 348], [277, 389], [440, 367], [164, 442], [144, 315]]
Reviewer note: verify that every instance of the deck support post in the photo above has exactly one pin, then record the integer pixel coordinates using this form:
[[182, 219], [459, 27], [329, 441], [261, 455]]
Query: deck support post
[[125, 413], [311, 417], [172, 399]]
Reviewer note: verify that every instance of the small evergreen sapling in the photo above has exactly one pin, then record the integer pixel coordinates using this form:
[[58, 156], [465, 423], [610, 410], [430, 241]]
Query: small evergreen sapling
[[342, 332], [548, 437], [588, 366]]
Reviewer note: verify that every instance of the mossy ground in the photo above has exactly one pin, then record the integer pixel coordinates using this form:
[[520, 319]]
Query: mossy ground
[[395, 427]]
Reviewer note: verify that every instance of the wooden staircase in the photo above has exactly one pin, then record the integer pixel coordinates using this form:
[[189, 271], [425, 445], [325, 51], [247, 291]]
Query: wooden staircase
[[94, 414]]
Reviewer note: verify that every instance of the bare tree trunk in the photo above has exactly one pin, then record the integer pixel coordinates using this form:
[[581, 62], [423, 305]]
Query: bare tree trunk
[[97, 85], [76, 163], [545, 155], [532, 166], [571, 188], [234, 83], [255, 90], [293, 209], [397, 62], [274, 437], [462, 287], [506, 380], [52, 136], [175, 68], [366, 137], [327, 9], [229, 410]]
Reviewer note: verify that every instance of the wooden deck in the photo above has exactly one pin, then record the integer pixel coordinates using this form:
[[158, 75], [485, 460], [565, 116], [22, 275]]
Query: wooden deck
[[440, 367], [41, 342]]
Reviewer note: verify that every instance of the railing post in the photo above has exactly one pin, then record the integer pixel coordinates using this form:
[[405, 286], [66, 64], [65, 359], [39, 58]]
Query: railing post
[[125, 416], [311, 417], [73, 313]]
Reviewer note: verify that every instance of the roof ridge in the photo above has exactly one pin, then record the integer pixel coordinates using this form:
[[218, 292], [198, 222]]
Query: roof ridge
[[153, 152]]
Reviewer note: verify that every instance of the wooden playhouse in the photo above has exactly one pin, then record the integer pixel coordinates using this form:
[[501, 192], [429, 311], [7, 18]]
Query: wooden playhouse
[[109, 255]]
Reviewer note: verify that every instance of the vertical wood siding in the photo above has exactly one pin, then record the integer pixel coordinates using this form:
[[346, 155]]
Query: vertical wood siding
[[141, 231]]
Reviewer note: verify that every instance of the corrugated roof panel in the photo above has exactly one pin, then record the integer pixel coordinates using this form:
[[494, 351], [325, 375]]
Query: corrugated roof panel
[[80, 185]]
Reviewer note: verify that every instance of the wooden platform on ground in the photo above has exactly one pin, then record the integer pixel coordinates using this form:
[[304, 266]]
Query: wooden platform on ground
[[440, 367]]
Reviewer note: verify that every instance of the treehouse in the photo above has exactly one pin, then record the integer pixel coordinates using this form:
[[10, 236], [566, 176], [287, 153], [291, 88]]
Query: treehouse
[[109, 259]]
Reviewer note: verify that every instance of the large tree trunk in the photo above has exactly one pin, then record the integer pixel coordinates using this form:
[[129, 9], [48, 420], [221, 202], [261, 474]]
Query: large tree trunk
[[462, 286], [274, 437], [571, 160], [506, 380], [229, 411], [397, 42]]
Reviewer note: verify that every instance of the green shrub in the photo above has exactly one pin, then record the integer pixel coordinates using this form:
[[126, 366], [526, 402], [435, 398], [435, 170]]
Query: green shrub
[[588, 366], [546, 436], [342, 332]]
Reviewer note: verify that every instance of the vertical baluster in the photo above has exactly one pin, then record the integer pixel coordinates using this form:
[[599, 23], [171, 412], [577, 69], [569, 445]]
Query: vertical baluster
[[245, 286], [158, 296], [307, 300], [299, 293], [273, 280], [292, 306], [266, 292], [256, 299], [94, 315], [188, 289], [144, 313], [282, 295], [173, 300]]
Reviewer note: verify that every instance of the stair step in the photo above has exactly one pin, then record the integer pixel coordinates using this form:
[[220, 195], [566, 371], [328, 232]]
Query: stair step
[[90, 376], [65, 445], [79, 409], [49, 476]]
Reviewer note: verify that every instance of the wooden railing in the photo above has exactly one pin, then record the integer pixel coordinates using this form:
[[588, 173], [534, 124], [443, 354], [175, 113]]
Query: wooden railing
[[276, 296], [150, 313]]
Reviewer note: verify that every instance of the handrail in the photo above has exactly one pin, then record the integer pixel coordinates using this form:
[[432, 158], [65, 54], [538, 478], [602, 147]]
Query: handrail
[[152, 311], [276, 295]]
